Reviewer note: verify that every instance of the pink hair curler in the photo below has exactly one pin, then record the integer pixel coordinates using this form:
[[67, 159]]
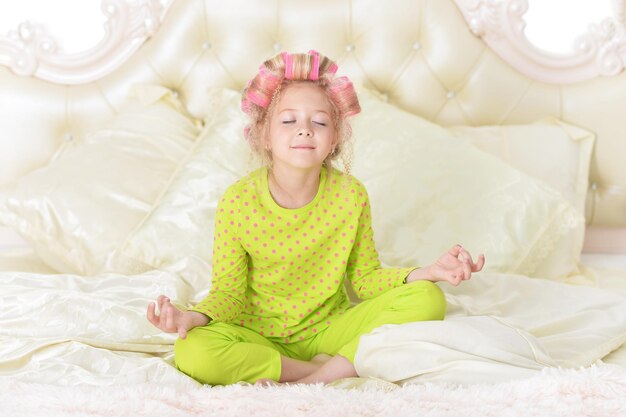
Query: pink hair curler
[[288, 59], [315, 70]]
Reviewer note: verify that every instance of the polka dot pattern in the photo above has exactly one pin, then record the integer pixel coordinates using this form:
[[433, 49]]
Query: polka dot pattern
[[280, 271]]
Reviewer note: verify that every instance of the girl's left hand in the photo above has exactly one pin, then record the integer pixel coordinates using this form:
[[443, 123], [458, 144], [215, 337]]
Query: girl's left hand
[[455, 266]]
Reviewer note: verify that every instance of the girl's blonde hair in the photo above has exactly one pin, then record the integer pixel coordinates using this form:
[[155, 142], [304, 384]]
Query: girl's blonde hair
[[263, 92]]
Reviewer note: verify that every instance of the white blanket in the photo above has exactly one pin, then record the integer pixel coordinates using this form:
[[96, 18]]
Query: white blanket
[[69, 330], [498, 328]]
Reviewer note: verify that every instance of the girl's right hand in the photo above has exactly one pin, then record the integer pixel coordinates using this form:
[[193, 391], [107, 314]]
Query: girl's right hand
[[172, 320]]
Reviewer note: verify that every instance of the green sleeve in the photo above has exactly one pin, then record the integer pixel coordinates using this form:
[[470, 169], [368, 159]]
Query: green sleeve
[[368, 278], [225, 301]]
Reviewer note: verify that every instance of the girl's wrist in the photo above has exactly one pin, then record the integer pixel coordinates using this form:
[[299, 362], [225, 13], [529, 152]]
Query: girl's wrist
[[198, 319], [419, 274]]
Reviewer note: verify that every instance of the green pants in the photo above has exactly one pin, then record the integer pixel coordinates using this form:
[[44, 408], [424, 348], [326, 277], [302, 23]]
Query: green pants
[[222, 354]]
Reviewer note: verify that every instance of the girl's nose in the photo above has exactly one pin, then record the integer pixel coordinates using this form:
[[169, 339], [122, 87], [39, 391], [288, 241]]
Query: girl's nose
[[303, 131]]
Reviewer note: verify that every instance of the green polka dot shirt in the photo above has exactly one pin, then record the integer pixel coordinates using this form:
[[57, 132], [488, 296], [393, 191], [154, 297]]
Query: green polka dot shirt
[[280, 271]]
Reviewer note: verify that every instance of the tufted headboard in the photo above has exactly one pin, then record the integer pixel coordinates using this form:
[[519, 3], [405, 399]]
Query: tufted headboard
[[420, 54]]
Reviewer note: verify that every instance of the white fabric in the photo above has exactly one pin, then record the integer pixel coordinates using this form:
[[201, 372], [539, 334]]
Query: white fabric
[[9, 238], [181, 223], [615, 261], [534, 148], [23, 259], [68, 329], [499, 326], [76, 210], [445, 191], [462, 350]]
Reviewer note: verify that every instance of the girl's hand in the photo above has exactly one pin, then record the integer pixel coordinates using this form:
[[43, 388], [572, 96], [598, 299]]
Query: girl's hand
[[454, 266], [172, 320]]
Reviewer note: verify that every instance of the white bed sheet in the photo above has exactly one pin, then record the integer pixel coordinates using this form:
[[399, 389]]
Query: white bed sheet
[[608, 271], [604, 260], [95, 332]]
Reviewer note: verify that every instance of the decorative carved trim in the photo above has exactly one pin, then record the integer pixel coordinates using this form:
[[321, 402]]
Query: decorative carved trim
[[500, 23], [31, 52]]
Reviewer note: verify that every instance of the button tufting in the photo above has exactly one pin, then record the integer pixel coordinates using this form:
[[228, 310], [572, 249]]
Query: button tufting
[[175, 93], [350, 47], [384, 96], [594, 186], [450, 94], [68, 137], [206, 45], [277, 46], [417, 46]]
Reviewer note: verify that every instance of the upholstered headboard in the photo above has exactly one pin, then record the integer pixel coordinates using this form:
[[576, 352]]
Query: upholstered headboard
[[422, 55]]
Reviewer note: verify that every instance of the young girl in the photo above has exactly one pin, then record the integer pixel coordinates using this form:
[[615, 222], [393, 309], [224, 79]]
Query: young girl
[[286, 238]]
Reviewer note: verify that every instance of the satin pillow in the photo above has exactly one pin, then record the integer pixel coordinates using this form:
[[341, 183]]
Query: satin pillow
[[430, 190], [76, 210], [551, 150], [178, 232]]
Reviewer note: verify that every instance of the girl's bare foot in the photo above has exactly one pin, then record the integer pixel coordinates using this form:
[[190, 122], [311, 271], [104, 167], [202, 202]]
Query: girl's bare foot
[[266, 382], [319, 360], [335, 368]]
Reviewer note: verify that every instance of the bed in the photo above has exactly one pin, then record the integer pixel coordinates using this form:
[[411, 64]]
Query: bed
[[112, 161]]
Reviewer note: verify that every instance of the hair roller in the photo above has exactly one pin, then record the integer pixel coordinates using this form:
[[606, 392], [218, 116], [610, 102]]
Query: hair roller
[[260, 90], [343, 95], [332, 69], [315, 67], [288, 60], [312, 66]]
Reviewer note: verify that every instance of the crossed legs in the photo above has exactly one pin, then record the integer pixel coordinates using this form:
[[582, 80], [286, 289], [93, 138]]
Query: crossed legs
[[321, 368], [224, 354]]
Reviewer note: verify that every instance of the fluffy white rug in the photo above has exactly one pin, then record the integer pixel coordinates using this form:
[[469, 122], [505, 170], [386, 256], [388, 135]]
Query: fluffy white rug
[[597, 391]]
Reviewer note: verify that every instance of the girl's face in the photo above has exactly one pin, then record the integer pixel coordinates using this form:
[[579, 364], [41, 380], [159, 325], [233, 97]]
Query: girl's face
[[301, 133]]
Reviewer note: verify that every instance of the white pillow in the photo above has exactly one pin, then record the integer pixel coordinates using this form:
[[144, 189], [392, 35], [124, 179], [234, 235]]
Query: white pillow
[[181, 224], [78, 208], [10, 239], [496, 352], [577, 325], [556, 152], [567, 326], [430, 190]]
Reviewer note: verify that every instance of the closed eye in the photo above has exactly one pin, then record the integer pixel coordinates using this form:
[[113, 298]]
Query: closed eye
[[288, 121], [320, 123]]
